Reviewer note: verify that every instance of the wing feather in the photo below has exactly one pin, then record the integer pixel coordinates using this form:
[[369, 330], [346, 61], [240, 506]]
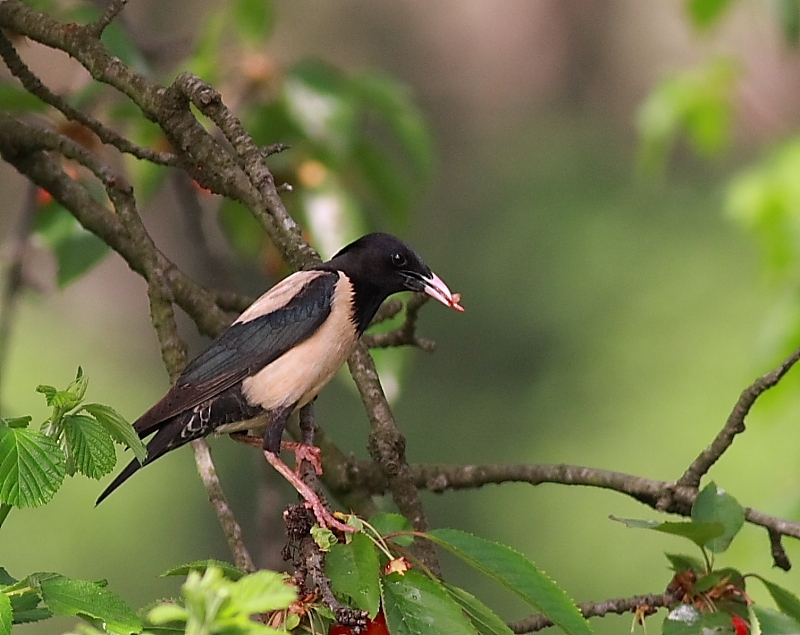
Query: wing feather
[[245, 347]]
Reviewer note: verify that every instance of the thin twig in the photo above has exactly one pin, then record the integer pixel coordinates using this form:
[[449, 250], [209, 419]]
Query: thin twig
[[735, 423], [35, 87], [111, 12], [406, 333], [646, 603]]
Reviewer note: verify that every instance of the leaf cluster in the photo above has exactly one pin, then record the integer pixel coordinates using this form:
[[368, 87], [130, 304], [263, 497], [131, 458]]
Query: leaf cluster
[[77, 438], [710, 598], [369, 572]]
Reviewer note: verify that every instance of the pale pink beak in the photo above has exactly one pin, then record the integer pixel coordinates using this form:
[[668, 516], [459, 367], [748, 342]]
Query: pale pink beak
[[436, 288]]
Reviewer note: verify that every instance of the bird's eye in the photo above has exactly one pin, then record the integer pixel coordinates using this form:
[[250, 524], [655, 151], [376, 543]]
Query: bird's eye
[[398, 260]]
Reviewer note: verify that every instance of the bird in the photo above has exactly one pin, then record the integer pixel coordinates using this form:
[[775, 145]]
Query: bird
[[280, 352]]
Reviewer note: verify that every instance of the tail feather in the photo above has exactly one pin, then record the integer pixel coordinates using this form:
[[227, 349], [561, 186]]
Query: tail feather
[[166, 439]]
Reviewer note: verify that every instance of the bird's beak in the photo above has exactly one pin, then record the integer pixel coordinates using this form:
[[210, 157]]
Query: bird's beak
[[436, 288]]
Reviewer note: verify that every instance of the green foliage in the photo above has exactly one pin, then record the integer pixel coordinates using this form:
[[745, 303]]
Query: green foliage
[[354, 571], [75, 438], [696, 103], [200, 566], [76, 250], [213, 603], [714, 505], [41, 595], [704, 13]]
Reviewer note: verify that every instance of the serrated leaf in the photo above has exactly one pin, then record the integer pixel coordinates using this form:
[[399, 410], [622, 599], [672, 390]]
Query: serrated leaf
[[685, 619], [354, 571], [705, 12], [681, 562], [26, 607], [118, 427], [324, 537], [254, 20], [6, 616], [227, 569], [786, 601], [49, 393], [716, 505], [65, 596], [89, 446], [485, 621], [6, 578], [387, 523], [261, 592], [698, 533], [32, 467], [772, 622], [16, 422], [516, 573], [416, 605]]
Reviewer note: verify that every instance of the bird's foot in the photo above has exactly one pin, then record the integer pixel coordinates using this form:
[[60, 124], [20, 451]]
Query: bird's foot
[[303, 452], [313, 502]]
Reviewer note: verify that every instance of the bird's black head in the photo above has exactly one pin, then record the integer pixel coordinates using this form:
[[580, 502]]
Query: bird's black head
[[379, 265]]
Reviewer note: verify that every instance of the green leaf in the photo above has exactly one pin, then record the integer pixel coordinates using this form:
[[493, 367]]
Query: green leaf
[[772, 622], [517, 573], [227, 569], [166, 613], [324, 537], [705, 12], [698, 533], [319, 102], [715, 505], [26, 607], [719, 576], [49, 393], [16, 422], [787, 602], [789, 18], [15, 99], [696, 103], [416, 605], [386, 523], [354, 571], [685, 619], [681, 562], [6, 616], [5, 578], [485, 621], [89, 446], [261, 592], [244, 233], [254, 20], [64, 596], [118, 427], [392, 101], [32, 467], [76, 249]]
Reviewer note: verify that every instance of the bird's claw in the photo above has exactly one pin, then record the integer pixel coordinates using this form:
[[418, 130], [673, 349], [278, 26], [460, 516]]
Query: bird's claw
[[303, 452]]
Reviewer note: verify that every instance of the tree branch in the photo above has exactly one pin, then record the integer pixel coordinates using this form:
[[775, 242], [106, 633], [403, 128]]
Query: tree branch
[[735, 423], [646, 604]]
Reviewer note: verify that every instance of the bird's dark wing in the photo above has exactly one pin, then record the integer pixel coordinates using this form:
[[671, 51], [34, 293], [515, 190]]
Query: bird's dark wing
[[244, 348]]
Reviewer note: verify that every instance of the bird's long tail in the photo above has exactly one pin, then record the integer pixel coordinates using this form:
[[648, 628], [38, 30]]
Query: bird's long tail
[[166, 439]]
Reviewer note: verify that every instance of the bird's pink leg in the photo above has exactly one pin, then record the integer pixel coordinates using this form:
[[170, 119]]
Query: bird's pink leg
[[324, 517], [302, 452]]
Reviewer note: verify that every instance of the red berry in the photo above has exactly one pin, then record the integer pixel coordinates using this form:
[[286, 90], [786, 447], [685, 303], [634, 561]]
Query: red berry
[[378, 625], [340, 629], [740, 625]]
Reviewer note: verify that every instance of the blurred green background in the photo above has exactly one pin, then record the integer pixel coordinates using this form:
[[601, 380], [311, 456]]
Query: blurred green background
[[612, 320]]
